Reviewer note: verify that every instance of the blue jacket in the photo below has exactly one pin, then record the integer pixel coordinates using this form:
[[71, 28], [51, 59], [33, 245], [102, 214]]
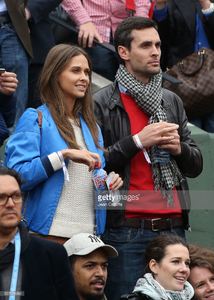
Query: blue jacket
[[26, 152]]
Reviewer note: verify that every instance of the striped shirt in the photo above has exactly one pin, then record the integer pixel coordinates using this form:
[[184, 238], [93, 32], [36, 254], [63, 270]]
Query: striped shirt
[[105, 14]]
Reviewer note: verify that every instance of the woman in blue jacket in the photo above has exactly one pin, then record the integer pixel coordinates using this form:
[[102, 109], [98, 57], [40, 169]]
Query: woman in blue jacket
[[56, 147]]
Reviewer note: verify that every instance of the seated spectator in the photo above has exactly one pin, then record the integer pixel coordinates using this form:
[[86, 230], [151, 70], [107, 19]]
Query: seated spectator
[[202, 272], [167, 270], [56, 147], [89, 260], [8, 85], [185, 26], [97, 20], [38, 269]]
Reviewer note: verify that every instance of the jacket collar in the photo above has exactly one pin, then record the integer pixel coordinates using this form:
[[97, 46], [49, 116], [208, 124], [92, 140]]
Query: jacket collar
[[115, 96]]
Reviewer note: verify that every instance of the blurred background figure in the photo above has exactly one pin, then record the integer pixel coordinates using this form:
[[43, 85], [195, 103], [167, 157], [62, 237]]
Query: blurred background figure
[[42, 39], [97, 21], [185, 26], [8, 85], [16, 49]]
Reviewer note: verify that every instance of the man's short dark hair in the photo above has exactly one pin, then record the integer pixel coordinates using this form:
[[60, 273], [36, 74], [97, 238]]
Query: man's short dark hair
[[10, 172], [123, 37]]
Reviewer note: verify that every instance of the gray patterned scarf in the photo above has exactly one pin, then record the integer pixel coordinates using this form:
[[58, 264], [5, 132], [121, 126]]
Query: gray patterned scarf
[[166, 174], [150, 287]]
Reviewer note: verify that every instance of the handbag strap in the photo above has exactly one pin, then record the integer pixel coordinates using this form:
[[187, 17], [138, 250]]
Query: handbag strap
[[39, 118], [201, 55]]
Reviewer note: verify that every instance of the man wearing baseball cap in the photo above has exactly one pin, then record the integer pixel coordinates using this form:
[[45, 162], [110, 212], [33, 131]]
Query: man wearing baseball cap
[[89, 260]]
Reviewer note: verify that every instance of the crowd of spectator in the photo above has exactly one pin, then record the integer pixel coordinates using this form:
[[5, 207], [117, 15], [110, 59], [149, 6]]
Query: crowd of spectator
[[102, 174]]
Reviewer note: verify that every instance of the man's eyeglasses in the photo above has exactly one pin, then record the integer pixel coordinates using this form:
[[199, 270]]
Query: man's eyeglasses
[[16, 197]]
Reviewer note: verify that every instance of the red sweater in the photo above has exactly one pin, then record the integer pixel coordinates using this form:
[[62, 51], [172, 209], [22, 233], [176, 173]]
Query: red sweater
[[144, 201]]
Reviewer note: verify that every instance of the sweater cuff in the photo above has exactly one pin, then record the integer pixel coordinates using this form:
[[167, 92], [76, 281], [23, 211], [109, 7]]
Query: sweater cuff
[[55, 161]]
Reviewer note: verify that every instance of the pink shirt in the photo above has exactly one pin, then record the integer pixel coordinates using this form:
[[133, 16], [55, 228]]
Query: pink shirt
[[105, 14]]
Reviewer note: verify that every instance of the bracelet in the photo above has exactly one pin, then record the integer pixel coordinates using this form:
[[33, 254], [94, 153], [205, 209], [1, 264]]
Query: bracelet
[[64, 168], [208, 10], [140, 146], [137, 141]]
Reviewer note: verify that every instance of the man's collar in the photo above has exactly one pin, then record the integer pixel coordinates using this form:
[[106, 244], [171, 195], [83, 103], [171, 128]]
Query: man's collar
[[122, 88]]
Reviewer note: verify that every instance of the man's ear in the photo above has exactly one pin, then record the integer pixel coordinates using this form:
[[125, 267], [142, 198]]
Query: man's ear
[[153, 266], [123, 53]]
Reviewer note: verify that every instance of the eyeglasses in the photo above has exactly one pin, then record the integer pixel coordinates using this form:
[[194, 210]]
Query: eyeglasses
[[16, 197]]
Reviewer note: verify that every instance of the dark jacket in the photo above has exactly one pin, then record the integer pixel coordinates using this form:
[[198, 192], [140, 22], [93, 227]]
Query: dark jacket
[[115, 126], [42, 37], [7, 115], [16, 11], [177, 31], [135, 296], [46, 272]]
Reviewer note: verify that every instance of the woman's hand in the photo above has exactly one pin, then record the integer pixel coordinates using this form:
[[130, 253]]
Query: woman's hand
[[91, 159], [115, 181]]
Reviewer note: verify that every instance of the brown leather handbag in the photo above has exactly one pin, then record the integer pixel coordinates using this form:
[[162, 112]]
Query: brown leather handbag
[[196, 88]]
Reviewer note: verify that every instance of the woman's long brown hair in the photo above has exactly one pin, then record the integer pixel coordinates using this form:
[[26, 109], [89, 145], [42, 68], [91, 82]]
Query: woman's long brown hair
[[51, 93]]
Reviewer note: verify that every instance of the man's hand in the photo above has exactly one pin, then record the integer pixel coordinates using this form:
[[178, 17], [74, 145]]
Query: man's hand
[[87, 34], [173, 145], [160, 133], [205, 4], [8, 83]]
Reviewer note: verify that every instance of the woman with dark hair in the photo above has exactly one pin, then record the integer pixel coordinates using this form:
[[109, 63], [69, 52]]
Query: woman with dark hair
[[54, 147], [167, 270]]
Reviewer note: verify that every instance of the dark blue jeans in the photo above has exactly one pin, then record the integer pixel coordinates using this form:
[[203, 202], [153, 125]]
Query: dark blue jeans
[[124, 270], [13, 58]]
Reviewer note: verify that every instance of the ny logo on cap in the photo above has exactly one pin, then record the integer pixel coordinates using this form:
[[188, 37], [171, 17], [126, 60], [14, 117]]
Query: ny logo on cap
[[94, 239]]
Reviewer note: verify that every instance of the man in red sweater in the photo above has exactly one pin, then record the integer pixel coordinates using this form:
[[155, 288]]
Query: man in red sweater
[[145, 131]]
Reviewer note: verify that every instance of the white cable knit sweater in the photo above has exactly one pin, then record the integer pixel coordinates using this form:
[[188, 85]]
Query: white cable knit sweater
[[75, 211]]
